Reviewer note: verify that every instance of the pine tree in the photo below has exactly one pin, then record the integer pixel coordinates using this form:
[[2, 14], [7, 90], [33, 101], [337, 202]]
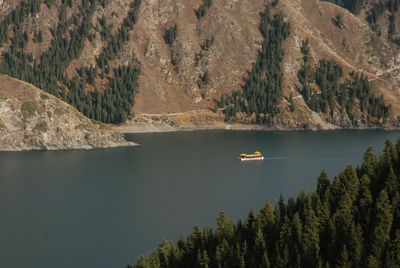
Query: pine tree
[[224, 227], [344, 261], [345, 187], [310, 240], [364, 202], [323, 186], [383, 223]]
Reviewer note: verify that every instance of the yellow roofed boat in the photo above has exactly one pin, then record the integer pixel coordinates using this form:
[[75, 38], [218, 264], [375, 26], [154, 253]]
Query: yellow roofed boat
[[254, 156]]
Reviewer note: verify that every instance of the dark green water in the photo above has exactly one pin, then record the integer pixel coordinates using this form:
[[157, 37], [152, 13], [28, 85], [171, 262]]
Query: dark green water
[[104, 208]]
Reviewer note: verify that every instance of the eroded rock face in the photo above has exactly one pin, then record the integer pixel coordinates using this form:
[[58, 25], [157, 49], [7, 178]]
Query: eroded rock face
[[31, 119]]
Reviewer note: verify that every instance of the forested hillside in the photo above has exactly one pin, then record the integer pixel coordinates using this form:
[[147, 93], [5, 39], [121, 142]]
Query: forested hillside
[[260, 98], [244, 60], [327, 92], [262, 91], [351, 221], [111, 103], [382, 15]]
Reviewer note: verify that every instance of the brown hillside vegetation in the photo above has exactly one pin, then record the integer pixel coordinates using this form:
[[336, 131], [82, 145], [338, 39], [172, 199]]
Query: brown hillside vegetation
[[166, 88], [356, 47], [234, 24]]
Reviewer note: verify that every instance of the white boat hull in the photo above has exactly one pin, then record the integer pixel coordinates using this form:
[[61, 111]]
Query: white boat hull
[[250, 159]]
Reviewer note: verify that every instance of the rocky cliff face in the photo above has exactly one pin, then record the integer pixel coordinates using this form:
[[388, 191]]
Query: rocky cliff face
[[31, 119]]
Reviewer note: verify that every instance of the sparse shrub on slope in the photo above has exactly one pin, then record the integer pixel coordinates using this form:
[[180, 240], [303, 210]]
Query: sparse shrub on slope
[[171, 34], [202, 11]]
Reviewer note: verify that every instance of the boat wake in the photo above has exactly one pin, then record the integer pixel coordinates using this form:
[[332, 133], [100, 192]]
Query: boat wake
[[275, 158]]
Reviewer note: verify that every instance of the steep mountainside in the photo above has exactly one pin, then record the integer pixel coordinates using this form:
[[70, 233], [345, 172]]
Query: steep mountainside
[[168, 88], [31, 119], [353, 45], [181, 56]]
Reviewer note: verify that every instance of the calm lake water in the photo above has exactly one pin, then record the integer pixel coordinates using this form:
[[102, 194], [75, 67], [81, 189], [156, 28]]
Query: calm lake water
[[104, 208]]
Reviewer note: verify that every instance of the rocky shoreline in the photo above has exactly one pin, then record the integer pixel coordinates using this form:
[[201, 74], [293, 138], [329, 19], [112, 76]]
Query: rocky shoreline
[[21, 148], [233, 127], [203, 120]]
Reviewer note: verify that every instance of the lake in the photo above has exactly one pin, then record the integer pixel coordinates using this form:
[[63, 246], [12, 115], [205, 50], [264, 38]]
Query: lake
[[104, 208]]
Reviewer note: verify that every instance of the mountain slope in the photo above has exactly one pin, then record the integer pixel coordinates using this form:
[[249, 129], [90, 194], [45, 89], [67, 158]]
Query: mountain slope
[[354, 46], [166, 88], [222, 45], [31, 119]]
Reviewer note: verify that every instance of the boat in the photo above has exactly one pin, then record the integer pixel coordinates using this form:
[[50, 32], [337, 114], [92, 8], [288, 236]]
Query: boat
[[254, 156]]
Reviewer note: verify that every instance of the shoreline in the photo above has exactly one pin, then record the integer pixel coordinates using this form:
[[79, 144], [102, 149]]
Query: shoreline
[[127, 143], [164, 128], [205, 119]]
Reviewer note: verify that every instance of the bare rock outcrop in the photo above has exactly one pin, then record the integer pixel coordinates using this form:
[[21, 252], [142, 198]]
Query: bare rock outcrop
[[31, 119]]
